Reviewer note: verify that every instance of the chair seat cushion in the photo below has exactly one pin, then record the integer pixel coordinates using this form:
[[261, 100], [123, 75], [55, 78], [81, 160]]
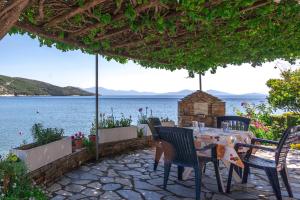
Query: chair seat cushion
[[260, 162]]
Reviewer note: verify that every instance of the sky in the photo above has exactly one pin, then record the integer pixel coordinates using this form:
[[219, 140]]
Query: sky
[[21, 56]]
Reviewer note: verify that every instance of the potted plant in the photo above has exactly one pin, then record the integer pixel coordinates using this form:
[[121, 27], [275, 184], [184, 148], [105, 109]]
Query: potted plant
[[142, 123], [112, 130], [77, 139], [49, 145], [92, 136], [167, 122]]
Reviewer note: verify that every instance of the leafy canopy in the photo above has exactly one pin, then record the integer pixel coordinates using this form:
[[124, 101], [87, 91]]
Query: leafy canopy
[[285, 92], [196, 35]]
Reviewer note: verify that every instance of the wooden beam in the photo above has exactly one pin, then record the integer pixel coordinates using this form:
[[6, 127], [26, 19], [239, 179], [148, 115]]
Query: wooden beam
[[73, 12], [10, 15], [132, 57], [113, 33], [45, 34], [120, 16]]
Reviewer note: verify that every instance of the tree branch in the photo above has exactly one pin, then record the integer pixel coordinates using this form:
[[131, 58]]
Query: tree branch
[[139, 9], [73, 12]]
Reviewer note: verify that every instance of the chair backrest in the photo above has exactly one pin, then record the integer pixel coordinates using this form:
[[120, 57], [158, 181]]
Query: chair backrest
[[235, 122], [290, 136], [152, 122], [178, 145]]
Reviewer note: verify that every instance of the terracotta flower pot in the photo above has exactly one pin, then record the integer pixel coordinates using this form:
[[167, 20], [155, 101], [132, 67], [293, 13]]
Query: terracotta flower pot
[[92, 138], [78, 143]]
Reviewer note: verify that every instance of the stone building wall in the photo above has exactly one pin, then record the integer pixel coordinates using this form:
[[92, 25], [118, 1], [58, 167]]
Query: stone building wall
[[200, 106], [53, 171]]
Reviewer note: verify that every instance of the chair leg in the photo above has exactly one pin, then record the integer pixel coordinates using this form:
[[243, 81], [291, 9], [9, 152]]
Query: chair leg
[[180, 172], [246, 173], [158, 154], [273, 178], [285, 179], [167, 168], [238, 170], [198, 178], [204, 168], [229, 178], [218, 177]]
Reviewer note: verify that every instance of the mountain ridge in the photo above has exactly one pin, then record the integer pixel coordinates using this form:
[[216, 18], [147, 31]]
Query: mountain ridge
[[111, 92], [16, 86]]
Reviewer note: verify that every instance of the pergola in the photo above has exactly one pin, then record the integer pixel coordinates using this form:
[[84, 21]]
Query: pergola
[[197, 35]]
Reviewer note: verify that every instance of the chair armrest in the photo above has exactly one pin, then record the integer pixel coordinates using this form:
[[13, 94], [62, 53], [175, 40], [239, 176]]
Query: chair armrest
[[251, 146], [253, 140]]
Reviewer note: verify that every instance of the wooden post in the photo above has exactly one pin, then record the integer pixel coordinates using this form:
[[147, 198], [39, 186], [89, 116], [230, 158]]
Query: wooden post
[[97, 109], [10, 13]]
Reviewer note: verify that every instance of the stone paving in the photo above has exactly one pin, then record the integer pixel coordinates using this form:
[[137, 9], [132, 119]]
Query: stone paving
[[131, 176]]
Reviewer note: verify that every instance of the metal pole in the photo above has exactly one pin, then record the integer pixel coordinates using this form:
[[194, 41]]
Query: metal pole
[[97, 111], [200, 82]]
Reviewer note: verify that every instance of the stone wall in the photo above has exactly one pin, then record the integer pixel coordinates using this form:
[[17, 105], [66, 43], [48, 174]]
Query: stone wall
[[200, 106], [53, 171]]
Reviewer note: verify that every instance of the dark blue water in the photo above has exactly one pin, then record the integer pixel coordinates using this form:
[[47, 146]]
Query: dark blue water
[[18, 114]]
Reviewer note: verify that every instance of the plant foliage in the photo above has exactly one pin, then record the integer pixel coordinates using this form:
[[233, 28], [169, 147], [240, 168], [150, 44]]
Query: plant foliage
[[43, 135], [14, 182], [285, 92], [193, 34]]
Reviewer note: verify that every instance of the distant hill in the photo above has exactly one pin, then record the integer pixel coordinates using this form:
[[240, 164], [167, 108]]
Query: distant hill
[[109, 92], [217, 93], [28, 87]]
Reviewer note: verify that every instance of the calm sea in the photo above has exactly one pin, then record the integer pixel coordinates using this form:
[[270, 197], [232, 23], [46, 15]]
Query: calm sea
[[18, 114]]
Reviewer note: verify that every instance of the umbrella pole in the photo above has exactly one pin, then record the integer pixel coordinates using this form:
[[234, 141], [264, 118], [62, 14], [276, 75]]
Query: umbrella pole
[[200, 82], [97, 109]]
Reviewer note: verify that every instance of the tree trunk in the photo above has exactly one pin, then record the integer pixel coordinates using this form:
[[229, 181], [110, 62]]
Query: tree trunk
[[9, 14]]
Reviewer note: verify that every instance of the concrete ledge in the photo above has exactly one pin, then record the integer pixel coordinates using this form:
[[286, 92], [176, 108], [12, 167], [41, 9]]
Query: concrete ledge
[[53, 171]]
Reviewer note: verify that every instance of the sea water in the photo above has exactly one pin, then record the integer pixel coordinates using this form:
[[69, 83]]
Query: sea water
[[73, 114]]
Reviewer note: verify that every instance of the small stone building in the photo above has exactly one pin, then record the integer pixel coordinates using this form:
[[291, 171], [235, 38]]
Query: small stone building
[[200, 106]]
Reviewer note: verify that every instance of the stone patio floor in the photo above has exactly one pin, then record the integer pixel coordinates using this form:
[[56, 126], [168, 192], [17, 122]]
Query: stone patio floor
[[131, 176]]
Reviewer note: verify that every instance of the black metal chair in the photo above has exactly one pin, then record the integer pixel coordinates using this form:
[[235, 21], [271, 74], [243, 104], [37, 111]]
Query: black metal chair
[[235, 122], [271, 167], [152, 122], [179, 149]]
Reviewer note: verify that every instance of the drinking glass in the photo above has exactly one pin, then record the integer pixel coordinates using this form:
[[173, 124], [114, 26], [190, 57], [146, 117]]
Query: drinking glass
[[201, 126], [225, 126]]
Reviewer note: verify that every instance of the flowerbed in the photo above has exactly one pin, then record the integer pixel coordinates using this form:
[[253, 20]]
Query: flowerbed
[[265, 124]]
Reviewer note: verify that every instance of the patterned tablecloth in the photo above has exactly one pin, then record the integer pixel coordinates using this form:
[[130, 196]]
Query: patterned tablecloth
[[225, 141]]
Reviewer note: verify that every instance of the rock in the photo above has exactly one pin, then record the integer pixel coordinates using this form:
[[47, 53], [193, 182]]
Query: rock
[[54, 187], [111, 186], [91, 192], [130, 194], [74, 188]]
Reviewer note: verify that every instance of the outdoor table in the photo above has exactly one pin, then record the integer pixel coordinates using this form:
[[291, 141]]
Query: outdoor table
[[225, 149]]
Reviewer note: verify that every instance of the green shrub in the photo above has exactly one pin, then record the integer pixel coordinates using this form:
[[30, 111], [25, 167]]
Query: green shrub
[[284, 93], [265, 124], [110, 122], [14, 182], [43, 135]]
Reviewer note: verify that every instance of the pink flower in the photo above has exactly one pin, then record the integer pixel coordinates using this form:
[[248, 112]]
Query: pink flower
[[76, 134], [72, 137], [79, 133]]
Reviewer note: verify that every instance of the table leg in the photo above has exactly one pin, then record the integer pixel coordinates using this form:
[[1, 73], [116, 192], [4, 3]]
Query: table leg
[[236, 177], [186, 173]]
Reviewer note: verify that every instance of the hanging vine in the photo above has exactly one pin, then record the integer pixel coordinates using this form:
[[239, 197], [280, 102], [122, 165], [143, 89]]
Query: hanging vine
[[197, 35]]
